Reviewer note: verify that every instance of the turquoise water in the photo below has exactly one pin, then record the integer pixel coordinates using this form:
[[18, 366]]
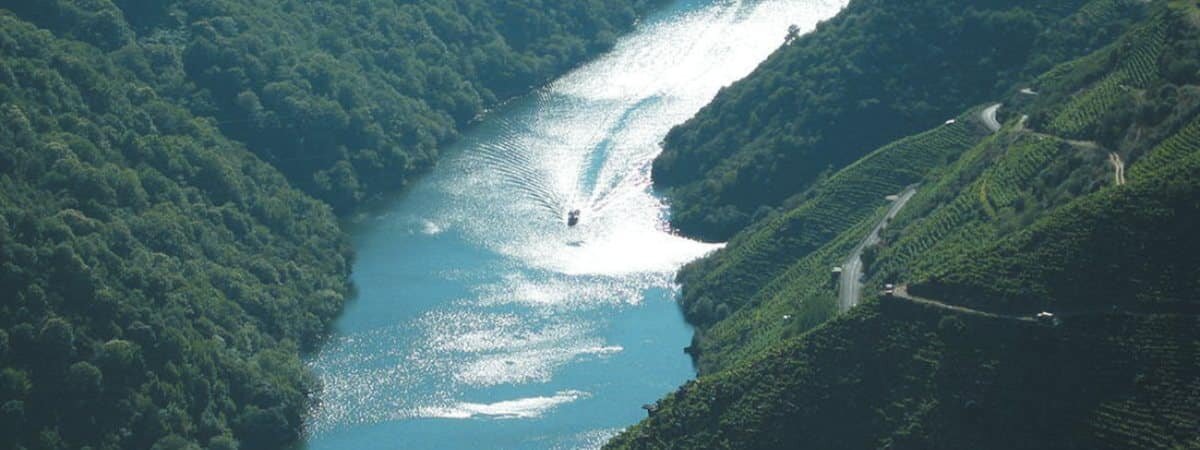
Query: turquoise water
[[482, 320]]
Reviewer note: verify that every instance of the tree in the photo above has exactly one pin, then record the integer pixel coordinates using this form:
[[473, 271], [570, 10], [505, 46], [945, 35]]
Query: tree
[[793, 33], [57, 340], [175, 442], [84, 380]]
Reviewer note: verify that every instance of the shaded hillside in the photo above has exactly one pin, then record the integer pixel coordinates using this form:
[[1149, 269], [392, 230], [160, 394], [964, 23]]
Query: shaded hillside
[[878, 71], [905, 376]]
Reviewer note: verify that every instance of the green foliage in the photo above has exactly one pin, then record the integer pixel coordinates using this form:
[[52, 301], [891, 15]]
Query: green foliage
[[1136, 65], [762, 267], [905, 376], [877, 72], [1029, 219], [1075, 243], [1133, 247], [132, 239], [162, 262], [348, 100]]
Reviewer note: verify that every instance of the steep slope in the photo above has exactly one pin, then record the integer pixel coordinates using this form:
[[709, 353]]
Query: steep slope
[[878, 71], [158, 279], [781, 264], [1129, 244], [161, 267], [348, 99], [1033, 218], [1010, 252], [907, 376], [730, 293]]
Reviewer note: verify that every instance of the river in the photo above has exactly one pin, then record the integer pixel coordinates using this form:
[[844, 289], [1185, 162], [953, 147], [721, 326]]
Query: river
[[482, 321]]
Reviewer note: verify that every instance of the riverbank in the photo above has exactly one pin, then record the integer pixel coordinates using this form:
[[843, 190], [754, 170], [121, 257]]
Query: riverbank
[[513, 330]]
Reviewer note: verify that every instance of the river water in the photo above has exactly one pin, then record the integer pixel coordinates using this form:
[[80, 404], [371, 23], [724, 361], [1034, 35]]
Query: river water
[[482, 321]]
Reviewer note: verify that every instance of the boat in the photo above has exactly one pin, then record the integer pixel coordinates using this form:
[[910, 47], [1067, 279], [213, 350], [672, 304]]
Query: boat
[[573, 218]]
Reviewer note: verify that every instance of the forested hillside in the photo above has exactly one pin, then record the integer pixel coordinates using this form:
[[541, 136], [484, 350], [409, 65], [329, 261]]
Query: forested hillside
[[163, 262], [347, 99], [878, 71], [1083, 204], [158, 279]]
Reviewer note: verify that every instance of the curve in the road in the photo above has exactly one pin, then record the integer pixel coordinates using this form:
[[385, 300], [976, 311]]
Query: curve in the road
[[1118, 168], [988, 116], [850, 284]]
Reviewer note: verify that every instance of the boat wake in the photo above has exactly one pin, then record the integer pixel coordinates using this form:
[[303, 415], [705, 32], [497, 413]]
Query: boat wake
[[484, 320], [603, 174]]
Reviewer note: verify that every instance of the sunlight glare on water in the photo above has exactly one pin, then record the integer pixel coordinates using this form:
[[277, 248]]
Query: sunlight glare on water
[[482, 320]]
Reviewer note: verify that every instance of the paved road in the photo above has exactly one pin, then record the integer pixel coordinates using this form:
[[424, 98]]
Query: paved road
[[1118, 168], [850, 285], [988, 116]]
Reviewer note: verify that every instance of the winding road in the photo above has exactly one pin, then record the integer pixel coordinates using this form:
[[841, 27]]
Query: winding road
[[988, 116], [1118, 168], [850, 284]]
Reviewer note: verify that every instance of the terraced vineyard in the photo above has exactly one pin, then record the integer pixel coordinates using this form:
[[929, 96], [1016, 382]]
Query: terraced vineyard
[[1126, 245], [1138, 66], [1173, 150], [943, 380], [800, 298], [1025, 220], [1033, 172], [1004, 184], [996, 179], [845, 199], [1160, 409]]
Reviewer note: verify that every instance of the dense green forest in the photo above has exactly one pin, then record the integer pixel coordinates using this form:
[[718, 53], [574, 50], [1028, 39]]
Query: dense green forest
[[878, 71], [165, 253], [1039, 216], [159, 279], [347, 99]]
